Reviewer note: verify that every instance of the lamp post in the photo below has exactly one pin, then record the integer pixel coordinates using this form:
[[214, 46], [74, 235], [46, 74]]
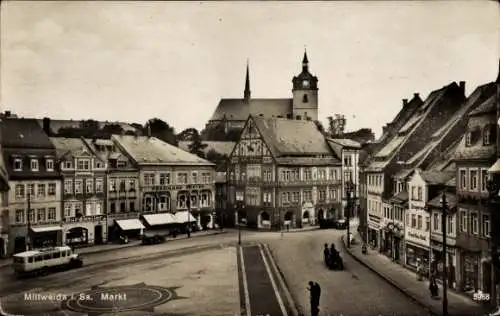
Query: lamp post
[[28, 235], [349, 192], [188, 204], [444, 207], [239, 205], [493, 187]]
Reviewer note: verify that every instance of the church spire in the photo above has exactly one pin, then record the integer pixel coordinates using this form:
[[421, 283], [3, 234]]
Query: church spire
[[247, 92], [305, 62]]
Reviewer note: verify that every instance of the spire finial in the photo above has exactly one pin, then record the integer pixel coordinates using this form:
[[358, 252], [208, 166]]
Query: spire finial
[[247, 93], [305, 61]]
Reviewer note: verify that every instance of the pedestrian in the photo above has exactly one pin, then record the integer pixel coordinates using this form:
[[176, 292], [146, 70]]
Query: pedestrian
[[314, 297], [433, 287]]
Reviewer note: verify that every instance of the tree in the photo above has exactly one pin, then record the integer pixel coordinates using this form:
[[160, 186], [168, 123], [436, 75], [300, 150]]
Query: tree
[[112, 128], [336, 125], [215, 133], [188, 134], [220, 160], [161, 130], [196, 146], [320, 127], [89, 125]]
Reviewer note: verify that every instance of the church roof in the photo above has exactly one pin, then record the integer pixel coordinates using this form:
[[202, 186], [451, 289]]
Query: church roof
[[286, 137], [239, 110]]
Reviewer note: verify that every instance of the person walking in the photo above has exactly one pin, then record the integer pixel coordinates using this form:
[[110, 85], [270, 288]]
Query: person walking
[[314, 296]]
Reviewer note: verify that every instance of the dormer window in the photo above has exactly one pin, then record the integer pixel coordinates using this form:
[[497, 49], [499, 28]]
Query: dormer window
[[49, 165], [34, 164], [121, 164], [98, 164], [83, 164], [18, 164], [305, 98], [468, 139], [67, 165], [487, 136]]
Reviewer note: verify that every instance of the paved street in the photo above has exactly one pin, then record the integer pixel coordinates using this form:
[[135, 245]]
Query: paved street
[[355, 291]]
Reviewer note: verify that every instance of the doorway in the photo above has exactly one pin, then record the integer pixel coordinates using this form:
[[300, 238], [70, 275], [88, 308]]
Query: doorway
[[20, 244], [98, 235]]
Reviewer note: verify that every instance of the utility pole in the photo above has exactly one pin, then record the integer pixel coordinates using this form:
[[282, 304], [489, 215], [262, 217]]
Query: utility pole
[[188, 203], [444, 205], [28, 235], [349, 205]]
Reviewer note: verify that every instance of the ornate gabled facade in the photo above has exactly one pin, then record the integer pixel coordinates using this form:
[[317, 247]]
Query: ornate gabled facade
[[283, 173], [121, 184], [303, 105], [34, 202], [84, 194]]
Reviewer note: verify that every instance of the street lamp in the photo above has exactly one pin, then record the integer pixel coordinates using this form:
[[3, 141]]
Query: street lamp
[[28, 235], [349, 192], [444, 206], [493, 187], [239, 205]]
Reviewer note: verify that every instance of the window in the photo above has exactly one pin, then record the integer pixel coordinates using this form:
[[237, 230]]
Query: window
[[112, 184], [52, 189], [52, 214], [333, 196], [333, 174], [88, 209], [123, 185], [18, 164], [307, 196], [463, 179], [435, 222], [131, 207], [450, 229], [473, 179], [149, 179], [67, 210], [19, 216], [419, 221], [41, 215], [419, 194], [487, 135], [296, 197], [99, 185], [474, 223], [182, 178], [164, 178], [463, 221], [486, 226], [98, 208], [112, 207], [121, 164], [89, 185], [31, 189], [305, 98], [427, 223], [41, 190], [268, 175], [78, 208], [20, 191], [83, 164], [68, 186], [31, 215], [307, 174], [194, 177], [322, 195], [468, 139], [131, 184], [207, 178], [484, 180], [34, 164], [413, 193], [78, 186]]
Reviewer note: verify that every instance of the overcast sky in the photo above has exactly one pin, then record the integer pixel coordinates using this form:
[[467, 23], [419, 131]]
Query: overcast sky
[[132, 61]]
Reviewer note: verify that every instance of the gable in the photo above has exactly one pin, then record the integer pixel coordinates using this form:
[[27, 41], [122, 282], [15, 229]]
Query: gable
[[416, 178], [251, 142]]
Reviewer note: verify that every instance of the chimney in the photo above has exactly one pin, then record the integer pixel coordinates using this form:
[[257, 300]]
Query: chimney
[[384, 129], [462, 86], [46, 126], [416, 95], [405, 102]]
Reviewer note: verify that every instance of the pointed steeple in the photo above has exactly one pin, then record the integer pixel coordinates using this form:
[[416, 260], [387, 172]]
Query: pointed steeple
[[498, 78], [305, 61], [247, 93]]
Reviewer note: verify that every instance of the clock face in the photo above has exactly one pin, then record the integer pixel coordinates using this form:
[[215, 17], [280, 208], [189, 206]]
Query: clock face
[[305, 83]]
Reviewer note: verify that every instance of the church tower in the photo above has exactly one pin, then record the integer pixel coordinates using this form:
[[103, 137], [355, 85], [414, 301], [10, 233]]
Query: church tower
[[247, 94], [305, 93]]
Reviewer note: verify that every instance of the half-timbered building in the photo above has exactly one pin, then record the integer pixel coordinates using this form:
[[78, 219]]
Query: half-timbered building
[[283, 173]]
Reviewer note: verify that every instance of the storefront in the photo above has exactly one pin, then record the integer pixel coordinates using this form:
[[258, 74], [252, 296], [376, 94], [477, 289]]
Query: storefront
[[417, 247], [45, 236], [437, 262], [470, 271], [393, 245], [374, 231], [85, 230]]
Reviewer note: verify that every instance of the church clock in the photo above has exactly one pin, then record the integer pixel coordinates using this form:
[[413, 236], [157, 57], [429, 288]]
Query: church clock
[[305, 83]]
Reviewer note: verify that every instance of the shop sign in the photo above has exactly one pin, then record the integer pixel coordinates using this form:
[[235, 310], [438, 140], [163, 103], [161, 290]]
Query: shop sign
[[417, 236], [181, 187], [373, 221]]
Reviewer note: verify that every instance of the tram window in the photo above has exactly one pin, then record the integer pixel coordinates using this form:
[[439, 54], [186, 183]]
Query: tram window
[[56, 255], [31, 259], [18, 260], [68, 253], [47, 256], [38, 258]]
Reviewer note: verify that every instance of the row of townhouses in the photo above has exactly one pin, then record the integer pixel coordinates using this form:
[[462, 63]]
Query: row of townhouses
[[444, 144], [286, 173], [90, 191]]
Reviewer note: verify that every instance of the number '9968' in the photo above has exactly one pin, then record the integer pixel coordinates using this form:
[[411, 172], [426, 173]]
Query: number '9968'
[[480, 296]]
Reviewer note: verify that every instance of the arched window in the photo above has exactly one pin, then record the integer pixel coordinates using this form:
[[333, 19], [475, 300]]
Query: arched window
[[487, 135], [468, 138], [305, 98], [165, 202], [181, 200]]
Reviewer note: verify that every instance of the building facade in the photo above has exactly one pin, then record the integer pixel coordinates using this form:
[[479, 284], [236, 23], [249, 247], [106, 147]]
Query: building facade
[[34, 203], [283, 174], [169, 177], [121, 184], [83, 191]]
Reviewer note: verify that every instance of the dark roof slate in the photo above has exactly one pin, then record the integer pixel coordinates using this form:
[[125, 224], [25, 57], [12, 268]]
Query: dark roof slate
[[437, 177], [24, 133], [239, 109]]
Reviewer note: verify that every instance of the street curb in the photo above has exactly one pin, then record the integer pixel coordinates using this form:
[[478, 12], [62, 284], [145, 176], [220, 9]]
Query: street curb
[[394, 284], [6, 266], [293, 301]]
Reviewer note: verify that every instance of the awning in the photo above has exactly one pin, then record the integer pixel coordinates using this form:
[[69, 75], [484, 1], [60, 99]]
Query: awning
[[46, 229], [496, 167], [159, 219], [129, 224], [184, 217]]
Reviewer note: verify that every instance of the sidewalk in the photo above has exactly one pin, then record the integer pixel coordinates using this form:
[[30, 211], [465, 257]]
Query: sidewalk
[[405, 280], [94, 249]]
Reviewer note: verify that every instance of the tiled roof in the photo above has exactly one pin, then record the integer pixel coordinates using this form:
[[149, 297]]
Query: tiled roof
[[55, 125], [4, 176], [347, 143], [390, 147], [451, 200], [488, 106], [437, 177], [307, 161], [400, 197], [477, 151], [224, 148], [24, 133], [452, 182], [238, 109], [404, 173], [26, 154], [72, 146], [410, 124], [292, 137], [445, 159], [152, 151]]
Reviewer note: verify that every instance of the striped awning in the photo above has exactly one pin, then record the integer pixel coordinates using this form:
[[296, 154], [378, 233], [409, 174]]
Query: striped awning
[[159, 219], [129, 224]]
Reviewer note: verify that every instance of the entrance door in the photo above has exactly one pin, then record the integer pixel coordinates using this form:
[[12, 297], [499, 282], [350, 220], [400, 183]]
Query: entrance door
[[19, 244], [2, 247], [98, 234]]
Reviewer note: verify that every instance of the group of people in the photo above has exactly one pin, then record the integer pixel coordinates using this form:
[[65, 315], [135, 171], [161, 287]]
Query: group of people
[[331, 256], [314, 295]]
